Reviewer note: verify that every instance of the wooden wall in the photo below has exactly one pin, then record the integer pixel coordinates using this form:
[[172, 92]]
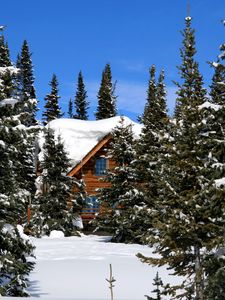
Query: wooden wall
[[87, 172]]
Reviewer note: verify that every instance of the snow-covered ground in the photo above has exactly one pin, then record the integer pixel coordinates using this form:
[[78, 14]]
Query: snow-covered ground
[[77, 268]]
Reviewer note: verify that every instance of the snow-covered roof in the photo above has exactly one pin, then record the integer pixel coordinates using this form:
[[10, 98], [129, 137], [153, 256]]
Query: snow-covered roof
[[81, 136]]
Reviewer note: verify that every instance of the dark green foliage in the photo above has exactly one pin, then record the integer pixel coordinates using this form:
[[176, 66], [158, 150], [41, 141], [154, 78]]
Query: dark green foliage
[[215, 278], [52, 109], [217, 88], [16, 182], [4, 53], [16, 167], [14, 268], [7, 77], [188, 216], [214, 143], [13, 202], [56, 188], [25, 167], [122, 196], [106, 98], [26, 85], [155, 108], [81, 104], [158, 288], [191, 90], [70, 109], [150, 150]]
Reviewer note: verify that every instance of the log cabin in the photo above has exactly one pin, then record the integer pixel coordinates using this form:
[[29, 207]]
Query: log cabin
[[87, 144], [91, 169]]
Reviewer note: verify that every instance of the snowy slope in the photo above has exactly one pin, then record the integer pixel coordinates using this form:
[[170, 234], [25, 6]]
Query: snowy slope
[[77, 268], [81, 136]]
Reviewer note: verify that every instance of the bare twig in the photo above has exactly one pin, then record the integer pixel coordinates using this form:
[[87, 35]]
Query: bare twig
[[111, 280]]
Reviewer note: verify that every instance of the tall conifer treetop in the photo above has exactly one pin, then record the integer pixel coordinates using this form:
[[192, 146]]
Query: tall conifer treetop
[[191, 90], [150, 150], [26, 85], [52, 108], [70, 109], [8, 73], [4, 53], [81, 104], [25, 64], [106, 98], [151, 94]]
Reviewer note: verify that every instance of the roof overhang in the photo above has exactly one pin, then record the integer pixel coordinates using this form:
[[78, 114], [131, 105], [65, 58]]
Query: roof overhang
[[89, 155]]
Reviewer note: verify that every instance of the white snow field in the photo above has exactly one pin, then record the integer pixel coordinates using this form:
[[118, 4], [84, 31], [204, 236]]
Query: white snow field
[[77, 268]]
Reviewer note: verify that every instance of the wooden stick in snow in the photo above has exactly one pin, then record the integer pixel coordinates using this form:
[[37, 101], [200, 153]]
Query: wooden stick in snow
[[111, 280]]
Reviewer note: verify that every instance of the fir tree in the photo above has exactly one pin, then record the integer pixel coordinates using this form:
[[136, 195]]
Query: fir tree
[[81, 104], [150, 150], [215, 276], [214, 145], [151, 93], [158, 288], [70, 109], [14, 266], [4, 53], [122, 196], [56, 188], [186, 211], [27, 107], [26, 85], [191, 89], [52, 109], [106, 98], [7, 84]]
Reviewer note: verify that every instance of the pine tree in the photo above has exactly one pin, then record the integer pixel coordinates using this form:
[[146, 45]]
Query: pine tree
[[4, 53], [81, 104], [214, 145], [150, 150], [56, 188], [15, 149], [70, 109], [52, 109], [122, 196], [7, 72], [215, 276], [151, 93], [26, 85], [27, 107], [187, 211], [158, 290], [191, 89], [106, 98], [14, 266]]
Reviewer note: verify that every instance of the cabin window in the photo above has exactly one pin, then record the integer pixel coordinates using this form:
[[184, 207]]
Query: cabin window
[[100, 166], [91, 204]]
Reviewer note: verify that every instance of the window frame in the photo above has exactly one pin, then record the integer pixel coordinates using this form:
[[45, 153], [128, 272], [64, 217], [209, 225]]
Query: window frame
[[100, 169], [92, 204]]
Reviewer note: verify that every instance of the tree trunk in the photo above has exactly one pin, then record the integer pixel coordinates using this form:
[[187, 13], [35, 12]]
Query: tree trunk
[[198, 274]]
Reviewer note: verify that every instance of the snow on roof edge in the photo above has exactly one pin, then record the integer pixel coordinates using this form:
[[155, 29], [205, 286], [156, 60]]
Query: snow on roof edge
[[80, 136]]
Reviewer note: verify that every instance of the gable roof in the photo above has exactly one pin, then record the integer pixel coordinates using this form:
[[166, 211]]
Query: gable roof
[[82, 138], [89, 155]]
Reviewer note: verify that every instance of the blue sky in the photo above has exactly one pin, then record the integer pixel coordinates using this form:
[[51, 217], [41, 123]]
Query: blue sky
[[68, 36]]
